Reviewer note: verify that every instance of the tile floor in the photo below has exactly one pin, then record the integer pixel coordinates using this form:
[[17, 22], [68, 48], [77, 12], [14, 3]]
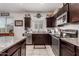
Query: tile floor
[[30, 51]]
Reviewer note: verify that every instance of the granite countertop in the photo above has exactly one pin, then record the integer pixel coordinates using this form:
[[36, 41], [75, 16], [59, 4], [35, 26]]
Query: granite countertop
[[8, 42], [74, 41]]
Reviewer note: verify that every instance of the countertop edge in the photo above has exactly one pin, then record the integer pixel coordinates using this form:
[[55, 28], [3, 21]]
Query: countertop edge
[[5, 49]]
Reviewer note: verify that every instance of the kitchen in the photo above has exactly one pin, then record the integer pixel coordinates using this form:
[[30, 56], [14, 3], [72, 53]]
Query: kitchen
[[52, 29]]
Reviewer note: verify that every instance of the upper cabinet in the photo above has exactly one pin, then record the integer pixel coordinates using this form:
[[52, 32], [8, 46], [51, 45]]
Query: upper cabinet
[[74, 12], [62, 15], [27, 22], [69, 13], [50, 21]]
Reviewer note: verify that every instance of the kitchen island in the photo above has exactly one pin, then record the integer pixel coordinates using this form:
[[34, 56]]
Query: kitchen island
[[12, 47]]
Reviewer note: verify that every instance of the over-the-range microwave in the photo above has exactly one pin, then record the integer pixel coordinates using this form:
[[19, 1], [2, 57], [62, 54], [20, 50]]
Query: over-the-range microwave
[[62, 19]]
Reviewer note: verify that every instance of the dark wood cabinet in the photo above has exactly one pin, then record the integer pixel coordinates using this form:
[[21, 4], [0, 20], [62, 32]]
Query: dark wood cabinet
[[19, 49], [66, 7], [60, 12], [14, 50], [74, 12], [27, 22], [50, 21], [67, 49], [41, 39], [77, 50], [23, 48], [16, 53]]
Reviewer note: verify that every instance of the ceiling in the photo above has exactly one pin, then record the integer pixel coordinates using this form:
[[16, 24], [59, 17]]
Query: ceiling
[[29, 7]]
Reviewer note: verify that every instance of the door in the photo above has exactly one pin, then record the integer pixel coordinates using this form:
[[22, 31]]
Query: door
[[56, 45]]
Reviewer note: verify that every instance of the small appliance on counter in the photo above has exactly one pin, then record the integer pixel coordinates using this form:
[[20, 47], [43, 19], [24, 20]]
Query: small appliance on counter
[[69, 33]]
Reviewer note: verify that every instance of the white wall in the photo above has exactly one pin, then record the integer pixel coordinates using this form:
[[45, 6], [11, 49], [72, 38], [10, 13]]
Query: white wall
[[18, 31], [20, 16]]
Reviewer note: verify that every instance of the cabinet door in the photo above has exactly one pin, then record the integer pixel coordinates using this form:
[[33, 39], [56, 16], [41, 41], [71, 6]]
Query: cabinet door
[[77, 51], [23, 49], [60, 12], [11, 51], [65, 7], [17, 53], [74, 12], [41, 39], [50, 22], [27, 22], [38, 39], [4, 53], [66, 52], [67, 49]]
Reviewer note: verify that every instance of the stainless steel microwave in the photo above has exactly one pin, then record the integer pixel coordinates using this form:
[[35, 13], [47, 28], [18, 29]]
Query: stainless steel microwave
[[62, 19]]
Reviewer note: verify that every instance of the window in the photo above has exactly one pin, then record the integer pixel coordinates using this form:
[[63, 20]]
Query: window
[[39, 25], [2, 22], [6, 24]]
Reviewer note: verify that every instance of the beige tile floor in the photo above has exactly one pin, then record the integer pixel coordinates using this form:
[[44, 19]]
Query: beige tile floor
[[30, 51]]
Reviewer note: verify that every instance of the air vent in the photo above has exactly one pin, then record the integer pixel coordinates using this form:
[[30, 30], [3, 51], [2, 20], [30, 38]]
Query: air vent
[[4, 14]]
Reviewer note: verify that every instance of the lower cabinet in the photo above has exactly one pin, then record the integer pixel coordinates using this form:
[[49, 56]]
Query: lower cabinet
[[67, 49], [16, 53], [77, 51], [19, 49], [23, 49], [41, 39]]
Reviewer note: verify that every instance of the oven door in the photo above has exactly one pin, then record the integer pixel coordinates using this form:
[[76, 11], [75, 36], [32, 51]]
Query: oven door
[[56, 45]]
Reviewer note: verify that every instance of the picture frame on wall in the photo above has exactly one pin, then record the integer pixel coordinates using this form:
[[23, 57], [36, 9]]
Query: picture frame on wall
[[18, 22]]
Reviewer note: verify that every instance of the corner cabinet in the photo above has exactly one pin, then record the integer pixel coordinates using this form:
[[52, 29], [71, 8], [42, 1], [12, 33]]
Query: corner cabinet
[[50, 21], [27, 21]]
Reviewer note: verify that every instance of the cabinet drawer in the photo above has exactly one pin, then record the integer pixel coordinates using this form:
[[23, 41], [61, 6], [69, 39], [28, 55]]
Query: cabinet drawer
[[68, 45], [66, 52], [77, 51]]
